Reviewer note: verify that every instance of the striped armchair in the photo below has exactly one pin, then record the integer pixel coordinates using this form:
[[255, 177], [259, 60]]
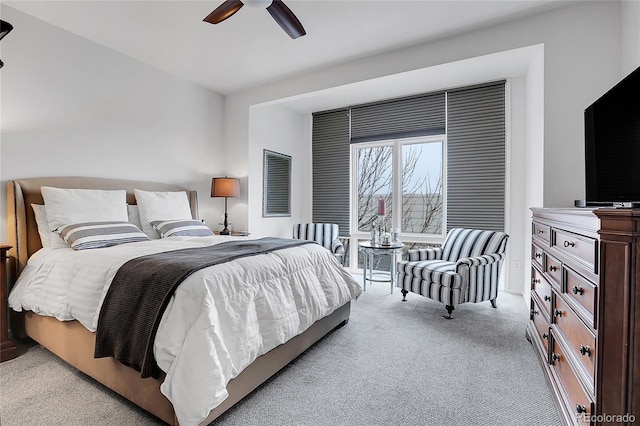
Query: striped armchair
[[325, 234], [465, 269]]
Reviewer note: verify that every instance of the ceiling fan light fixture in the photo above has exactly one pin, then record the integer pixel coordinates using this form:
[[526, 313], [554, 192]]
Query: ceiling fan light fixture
[[258, 4]]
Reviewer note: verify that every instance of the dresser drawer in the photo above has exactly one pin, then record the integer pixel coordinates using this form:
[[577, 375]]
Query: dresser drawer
[[541, 287], [583, 295], [553, 270], [580, 339], [577, 247], [575, 399], [536, 256], [541, 231], [539, 319]]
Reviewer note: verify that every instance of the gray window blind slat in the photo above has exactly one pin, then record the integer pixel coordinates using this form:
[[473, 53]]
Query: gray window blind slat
[[404, 117], [331, 169], [476, 157], [277, 184]]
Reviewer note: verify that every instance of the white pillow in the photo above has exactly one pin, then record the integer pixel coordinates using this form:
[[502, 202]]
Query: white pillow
[[159, 206], [67, 206], [134, 215], [47, 237]]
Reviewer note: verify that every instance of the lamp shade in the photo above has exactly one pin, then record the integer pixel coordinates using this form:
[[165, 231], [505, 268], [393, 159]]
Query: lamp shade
[[225, 187]]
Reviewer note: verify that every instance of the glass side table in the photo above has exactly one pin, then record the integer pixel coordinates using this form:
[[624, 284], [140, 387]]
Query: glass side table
[[369, 250]]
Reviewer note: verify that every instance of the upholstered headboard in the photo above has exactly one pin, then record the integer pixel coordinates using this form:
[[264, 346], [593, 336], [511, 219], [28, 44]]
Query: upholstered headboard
[[22, 231]]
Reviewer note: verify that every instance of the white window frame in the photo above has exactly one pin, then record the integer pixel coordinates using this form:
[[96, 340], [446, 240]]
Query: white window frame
[[408, 237]]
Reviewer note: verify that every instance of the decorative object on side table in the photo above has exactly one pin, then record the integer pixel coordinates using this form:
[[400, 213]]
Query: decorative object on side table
[[384, 236], [375, 232], [7, 348], [225, 187]]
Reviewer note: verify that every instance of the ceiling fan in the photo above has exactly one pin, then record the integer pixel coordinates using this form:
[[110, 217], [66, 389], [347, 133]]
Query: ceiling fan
[[278, 10]]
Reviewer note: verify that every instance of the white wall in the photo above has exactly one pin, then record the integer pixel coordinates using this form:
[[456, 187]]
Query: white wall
[[285, 131], [516, 179], [630, 36], [73, 107]]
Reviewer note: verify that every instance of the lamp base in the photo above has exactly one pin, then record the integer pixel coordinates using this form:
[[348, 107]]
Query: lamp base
[[225, 230]]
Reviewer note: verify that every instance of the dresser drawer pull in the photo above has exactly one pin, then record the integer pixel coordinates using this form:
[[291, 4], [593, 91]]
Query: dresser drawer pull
[[577, 290], [540, 231], [538, 255], [553, 268], [535, 280], [569, 244], [545, 335], [581, 409], [555, 357], [557, 313], [547, 298], [534, 312], [585, 350]]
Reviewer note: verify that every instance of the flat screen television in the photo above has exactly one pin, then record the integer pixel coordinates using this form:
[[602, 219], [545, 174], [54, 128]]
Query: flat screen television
[[612, 145]]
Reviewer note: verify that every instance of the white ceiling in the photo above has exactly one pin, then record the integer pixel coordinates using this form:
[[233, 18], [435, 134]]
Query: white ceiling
[[250, 49]]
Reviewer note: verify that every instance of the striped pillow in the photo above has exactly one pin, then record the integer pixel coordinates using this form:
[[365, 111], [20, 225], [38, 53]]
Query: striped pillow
[[89, 235], [183, 227]]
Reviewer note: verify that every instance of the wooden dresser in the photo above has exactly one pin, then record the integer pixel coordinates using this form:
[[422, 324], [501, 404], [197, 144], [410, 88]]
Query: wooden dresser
[[584, 267]]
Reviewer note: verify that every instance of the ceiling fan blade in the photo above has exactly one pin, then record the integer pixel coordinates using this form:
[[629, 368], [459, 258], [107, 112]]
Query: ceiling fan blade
[[286, 19], [222, 12], [5, 28]]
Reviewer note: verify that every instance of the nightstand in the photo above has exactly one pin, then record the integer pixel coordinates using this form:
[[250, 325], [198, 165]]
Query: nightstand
[[236, 233], [7, 348]]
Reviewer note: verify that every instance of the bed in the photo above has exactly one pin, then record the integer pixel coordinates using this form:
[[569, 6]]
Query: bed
[[74, 342]]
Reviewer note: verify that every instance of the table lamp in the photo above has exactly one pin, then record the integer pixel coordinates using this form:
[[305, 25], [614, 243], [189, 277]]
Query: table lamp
[[225, 187]]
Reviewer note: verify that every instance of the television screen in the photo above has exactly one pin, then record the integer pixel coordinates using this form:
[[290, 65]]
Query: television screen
[[612, 144]]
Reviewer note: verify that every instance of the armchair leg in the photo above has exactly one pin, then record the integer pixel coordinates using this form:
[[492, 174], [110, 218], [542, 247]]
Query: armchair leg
[[493, 302], [450, 309], [404, 295]]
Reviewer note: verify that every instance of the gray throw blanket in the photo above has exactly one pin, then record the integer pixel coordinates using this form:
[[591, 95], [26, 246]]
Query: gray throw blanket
[[142, 287]]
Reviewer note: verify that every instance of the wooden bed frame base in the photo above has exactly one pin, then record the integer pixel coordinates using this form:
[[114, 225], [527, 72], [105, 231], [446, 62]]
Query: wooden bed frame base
[[74, 344]]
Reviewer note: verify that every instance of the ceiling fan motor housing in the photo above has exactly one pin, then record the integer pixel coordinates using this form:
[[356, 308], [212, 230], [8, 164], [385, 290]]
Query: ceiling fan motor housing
[[258, 4]]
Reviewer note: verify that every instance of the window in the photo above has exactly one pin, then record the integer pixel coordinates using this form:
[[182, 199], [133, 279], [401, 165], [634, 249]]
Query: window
[[422, 187], [276, 199], [408, 175]]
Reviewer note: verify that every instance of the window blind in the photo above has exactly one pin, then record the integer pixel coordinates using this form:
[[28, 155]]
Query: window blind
[[399, 118], [476, 157], [277, 184], [331, 169]]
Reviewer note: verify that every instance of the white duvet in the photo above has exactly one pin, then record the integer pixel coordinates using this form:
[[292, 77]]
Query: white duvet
[[219, 320]]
